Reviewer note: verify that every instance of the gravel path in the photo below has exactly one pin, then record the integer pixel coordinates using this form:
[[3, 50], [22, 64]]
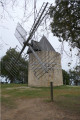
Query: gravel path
[[36, 109]]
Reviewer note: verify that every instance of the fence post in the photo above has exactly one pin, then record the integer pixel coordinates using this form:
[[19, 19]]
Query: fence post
[[51, 85]]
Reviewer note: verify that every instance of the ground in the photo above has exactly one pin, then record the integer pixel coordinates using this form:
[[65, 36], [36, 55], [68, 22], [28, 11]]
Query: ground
[[37, 108]]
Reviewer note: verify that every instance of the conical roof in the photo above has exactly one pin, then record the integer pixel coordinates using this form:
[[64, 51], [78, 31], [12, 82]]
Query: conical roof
[[43, 45]]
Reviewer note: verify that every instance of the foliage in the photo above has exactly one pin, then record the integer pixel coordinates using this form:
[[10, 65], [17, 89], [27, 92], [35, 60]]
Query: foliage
[[75, 75], [21, 67], [66, 21], [65, 77]]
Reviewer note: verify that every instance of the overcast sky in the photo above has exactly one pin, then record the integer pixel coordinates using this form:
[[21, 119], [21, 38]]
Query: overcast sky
[[8, 23]]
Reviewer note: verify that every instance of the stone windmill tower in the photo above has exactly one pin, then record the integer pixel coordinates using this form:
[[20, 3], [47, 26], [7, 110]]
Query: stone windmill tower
[[50, 58]]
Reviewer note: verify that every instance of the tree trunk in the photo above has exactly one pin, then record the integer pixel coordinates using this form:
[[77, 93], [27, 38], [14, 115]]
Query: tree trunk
[[76, 82], [12, 79]]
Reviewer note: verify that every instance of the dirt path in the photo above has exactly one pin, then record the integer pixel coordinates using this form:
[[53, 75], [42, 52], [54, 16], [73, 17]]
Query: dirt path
[[36, 109]]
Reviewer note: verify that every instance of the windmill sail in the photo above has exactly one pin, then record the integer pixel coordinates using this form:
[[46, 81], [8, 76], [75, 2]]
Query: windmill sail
[[11, 66], [20, 34]]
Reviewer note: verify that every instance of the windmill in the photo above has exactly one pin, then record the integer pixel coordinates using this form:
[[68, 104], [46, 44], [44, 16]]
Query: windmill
[[41, 63], [25, 40]]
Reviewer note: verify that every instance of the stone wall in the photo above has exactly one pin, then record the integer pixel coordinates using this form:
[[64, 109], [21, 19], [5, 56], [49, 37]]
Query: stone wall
[[53, 60]]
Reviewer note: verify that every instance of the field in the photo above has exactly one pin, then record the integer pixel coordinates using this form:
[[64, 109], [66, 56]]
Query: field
[[20, 102]]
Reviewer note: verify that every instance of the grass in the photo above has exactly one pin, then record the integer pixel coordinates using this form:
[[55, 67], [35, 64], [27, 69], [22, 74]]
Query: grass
[[66, 97]]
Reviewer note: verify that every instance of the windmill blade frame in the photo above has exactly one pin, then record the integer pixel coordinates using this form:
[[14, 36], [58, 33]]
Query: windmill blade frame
[[36, 25]]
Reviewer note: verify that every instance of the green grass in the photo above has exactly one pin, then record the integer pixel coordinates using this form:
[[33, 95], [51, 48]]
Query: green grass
[[12, 85], [66, 97]]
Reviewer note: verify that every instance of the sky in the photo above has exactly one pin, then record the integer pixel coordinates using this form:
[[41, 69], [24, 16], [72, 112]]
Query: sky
[[15, 14]]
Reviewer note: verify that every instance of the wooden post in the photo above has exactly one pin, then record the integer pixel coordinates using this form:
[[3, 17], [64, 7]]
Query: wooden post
[[51, 85]]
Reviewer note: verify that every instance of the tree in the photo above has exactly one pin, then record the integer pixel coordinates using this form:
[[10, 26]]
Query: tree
[[65, 77], [20, 68], [75, 75], [66, 21]]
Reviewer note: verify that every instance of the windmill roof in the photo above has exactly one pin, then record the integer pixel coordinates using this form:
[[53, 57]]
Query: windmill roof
[[43, 45]]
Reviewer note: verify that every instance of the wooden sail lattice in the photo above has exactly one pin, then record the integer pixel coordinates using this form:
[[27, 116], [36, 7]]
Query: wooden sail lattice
[[12, 66], [48, 61]]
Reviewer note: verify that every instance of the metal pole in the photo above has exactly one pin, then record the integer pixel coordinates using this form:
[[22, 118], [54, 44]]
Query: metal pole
[[34, 14], [51, 85]]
